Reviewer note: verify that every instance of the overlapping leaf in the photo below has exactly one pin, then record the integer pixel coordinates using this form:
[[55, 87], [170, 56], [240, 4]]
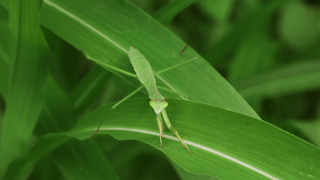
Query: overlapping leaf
[[219, 140]]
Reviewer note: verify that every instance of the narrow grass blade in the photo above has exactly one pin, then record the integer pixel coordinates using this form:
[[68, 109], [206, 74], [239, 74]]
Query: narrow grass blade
[[295, 78], [89, 88], [4, 49], [167, 13], [29, 69]]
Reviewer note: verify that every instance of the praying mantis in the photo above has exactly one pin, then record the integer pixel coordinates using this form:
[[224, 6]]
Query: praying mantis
[[146, 76]]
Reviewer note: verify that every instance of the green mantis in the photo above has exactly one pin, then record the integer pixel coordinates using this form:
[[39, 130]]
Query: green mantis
[[146, 76]]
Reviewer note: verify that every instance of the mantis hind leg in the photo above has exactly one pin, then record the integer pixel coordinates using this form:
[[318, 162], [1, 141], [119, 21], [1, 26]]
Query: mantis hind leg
[[160, 127], [175, 133], [174, 130]]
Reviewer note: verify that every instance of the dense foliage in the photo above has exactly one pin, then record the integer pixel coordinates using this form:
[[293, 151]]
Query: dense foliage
[[254, 89]]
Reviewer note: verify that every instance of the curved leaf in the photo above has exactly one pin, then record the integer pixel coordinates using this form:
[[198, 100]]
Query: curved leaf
[[225, 144], [107, 40], [219, 140]]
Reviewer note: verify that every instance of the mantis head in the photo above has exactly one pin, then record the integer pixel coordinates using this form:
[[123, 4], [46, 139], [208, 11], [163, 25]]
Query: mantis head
[[158, 105]]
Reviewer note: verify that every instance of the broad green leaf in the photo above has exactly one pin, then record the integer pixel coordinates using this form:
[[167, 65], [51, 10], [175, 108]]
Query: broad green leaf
[[287, 80], [108, 40], [29, 68], [219, 139]]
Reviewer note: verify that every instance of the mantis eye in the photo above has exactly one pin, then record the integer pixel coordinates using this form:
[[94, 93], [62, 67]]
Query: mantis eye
[[164, 104], [152, 103]]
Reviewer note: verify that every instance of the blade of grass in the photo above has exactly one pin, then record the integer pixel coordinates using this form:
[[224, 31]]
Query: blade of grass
[[4, 56], [29, 54], [56, 109], [89, 88], [295, 78], [167, 13], [59, 111]]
